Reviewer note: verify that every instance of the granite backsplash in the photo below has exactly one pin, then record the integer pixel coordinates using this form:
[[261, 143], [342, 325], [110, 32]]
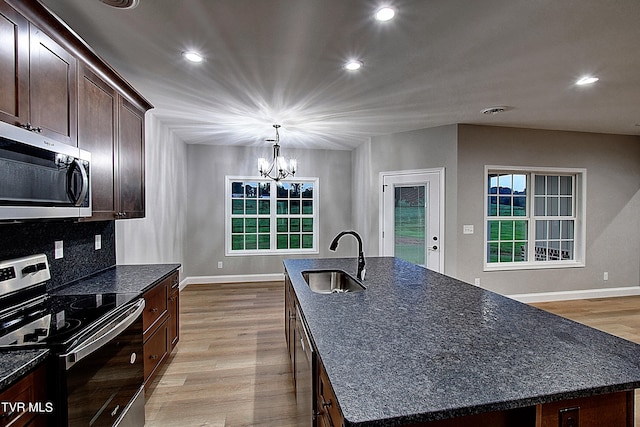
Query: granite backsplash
[[80, 256]]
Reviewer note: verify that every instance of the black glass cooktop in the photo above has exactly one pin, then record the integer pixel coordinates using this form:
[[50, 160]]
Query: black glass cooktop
[[57, 320]]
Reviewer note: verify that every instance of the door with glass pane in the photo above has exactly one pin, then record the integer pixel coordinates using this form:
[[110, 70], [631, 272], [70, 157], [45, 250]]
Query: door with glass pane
[[411, 223]]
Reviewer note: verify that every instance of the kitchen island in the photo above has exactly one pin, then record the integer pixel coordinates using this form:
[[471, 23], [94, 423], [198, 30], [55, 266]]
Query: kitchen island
[[418, 347]]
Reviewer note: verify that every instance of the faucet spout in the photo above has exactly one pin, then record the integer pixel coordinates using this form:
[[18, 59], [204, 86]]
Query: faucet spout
[[361, 262]]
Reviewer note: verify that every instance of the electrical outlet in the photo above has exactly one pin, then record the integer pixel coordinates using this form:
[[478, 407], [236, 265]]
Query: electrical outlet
[[467, 229], [476, 281], [98, 242], [605, 276], [59, 249], [219, 264]]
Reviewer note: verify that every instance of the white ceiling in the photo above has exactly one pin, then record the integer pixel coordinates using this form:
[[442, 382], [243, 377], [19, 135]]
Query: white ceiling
[[438, 62]]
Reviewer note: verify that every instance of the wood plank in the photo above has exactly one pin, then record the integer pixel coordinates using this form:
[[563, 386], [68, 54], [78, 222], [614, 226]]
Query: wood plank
[[231, 366]]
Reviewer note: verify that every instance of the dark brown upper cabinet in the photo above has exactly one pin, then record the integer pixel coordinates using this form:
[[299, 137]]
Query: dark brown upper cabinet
[[38, 82], [52, 82], [112, 129]]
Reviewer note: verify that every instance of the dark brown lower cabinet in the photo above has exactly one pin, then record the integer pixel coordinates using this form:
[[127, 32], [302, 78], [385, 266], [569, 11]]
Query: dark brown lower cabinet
[[30, 389], [611, 410], [174, 313], [161, 323]]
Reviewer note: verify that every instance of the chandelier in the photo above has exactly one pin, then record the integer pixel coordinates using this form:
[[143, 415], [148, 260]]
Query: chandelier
[[279, 167]]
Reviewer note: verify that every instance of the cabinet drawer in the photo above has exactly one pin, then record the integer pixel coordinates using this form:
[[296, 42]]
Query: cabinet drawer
[[156, 306], [155, 352], [327, 402]]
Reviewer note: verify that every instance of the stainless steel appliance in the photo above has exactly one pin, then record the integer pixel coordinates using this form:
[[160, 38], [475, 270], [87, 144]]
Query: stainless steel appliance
[[96, 373], [42, 178]]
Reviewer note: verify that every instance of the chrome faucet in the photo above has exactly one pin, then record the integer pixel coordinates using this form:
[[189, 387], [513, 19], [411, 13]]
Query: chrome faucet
[[361, 262]]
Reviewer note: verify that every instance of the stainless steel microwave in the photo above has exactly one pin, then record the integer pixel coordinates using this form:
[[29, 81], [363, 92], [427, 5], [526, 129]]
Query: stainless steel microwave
[[41, 178]]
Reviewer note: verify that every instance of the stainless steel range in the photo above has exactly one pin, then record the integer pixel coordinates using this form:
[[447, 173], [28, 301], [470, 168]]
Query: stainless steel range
[[96, 372]]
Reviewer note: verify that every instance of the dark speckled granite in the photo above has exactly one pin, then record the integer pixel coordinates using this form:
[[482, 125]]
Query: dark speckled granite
[[80, 258], [419, 346], [14, 364], [120, 279], [123, 279]]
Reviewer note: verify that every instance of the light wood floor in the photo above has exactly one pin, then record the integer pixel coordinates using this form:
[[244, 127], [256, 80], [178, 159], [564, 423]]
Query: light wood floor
[[231, 368]]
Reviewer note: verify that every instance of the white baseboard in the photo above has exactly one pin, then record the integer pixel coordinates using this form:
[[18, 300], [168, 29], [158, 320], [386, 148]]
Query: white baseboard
[[580, 294], [237, 278]]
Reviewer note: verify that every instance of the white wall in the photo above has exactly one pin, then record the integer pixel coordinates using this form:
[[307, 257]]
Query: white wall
[[159, 237]]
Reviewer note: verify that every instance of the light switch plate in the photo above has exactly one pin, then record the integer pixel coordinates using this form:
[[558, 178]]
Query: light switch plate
[[98, 243]]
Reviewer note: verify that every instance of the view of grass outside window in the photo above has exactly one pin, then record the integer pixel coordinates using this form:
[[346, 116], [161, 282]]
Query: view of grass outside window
[[268, 216], [531, 217], [410, 223]]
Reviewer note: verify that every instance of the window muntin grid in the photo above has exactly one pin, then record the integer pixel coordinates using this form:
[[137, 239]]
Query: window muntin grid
[[538, 227], [269, 217]]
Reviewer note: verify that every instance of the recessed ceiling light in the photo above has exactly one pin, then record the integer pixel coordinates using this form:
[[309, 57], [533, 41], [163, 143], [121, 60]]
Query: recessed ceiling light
[[587, 80], [385, 13], [353, 65], [192, 56], [122, 4]]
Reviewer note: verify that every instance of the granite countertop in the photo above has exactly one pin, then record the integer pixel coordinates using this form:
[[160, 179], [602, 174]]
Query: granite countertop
[[121, 279], [15, 363], [419, 346]]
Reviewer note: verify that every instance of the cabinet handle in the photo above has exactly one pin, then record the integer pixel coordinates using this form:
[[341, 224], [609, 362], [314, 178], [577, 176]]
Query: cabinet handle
[[29, 126], [154, 310], [292, 317], [326, 404], [153, 357], [8, 415]]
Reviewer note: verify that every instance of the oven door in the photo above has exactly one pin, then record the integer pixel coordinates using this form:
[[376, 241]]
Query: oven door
[[102, 376]]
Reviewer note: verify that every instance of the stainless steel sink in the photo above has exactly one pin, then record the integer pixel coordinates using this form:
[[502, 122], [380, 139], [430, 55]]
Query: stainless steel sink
[[331, 282]]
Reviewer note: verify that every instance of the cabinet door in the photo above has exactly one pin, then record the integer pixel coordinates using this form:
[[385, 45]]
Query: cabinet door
[[53, 93], [131, 161], [98, 107], [30, 389], [155, 352], [14, 66], [174, 312]]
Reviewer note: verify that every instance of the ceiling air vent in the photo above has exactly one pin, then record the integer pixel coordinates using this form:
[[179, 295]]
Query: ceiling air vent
[[494, 110], [121, 4]]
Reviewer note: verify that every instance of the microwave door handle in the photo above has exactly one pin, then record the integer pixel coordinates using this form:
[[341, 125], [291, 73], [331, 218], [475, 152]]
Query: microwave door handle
[[77, 201], [104, 335]]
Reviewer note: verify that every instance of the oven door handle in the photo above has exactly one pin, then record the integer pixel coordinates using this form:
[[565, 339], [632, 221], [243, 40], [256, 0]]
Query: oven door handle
[[121, 321]]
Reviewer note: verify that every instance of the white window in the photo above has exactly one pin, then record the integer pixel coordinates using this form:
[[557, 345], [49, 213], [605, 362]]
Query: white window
[[534, 218], [268, 217]]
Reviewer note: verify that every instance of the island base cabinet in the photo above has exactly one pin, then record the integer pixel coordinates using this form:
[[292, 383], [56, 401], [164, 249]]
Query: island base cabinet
[[610, 410]]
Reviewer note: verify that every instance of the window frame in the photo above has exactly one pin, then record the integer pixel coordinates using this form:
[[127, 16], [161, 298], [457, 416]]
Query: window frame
[[273, 216], [579, 207]]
